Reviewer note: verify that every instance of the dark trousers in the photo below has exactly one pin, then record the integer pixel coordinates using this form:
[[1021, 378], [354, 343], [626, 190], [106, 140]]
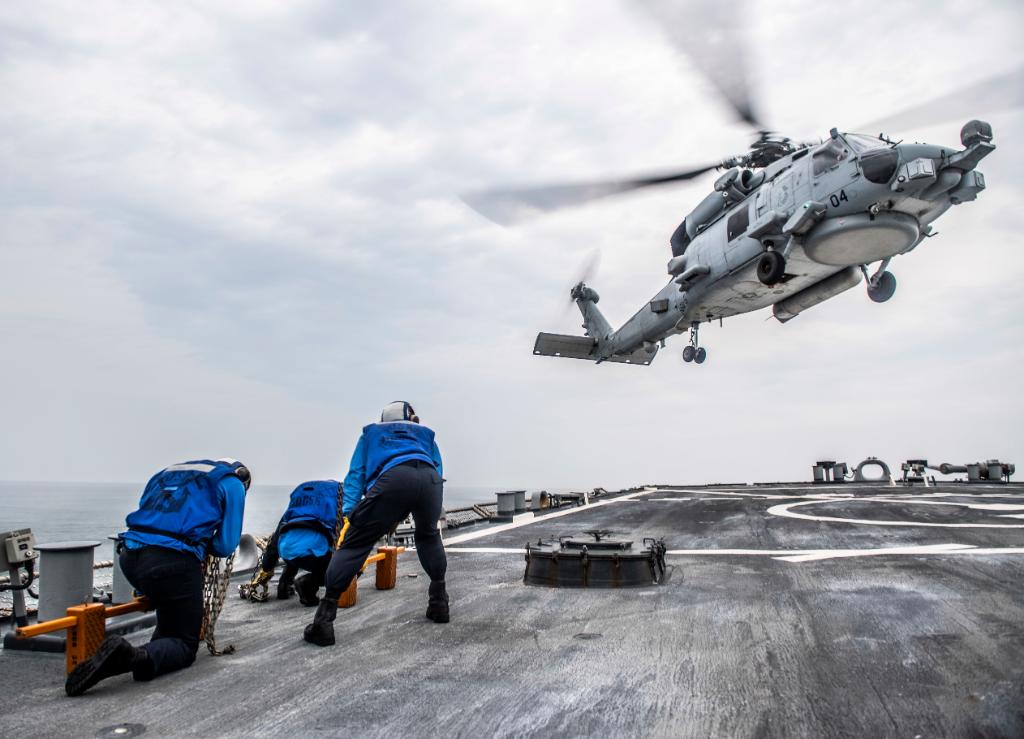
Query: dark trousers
[[315, 566], [413, 487], [173, 582]]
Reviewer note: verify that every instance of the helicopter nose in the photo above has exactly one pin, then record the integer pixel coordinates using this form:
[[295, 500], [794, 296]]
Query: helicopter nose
[[975, 131]]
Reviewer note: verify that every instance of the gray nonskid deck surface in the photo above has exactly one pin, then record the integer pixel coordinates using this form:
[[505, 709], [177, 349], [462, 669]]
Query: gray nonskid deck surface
[[901, 644]]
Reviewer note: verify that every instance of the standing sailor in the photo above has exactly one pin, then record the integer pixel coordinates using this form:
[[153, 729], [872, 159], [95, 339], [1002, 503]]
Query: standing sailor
[[185, 511], [395, 470], [304, 539]]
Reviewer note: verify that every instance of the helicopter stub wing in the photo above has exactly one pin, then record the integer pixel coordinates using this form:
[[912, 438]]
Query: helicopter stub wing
[[585, 347]]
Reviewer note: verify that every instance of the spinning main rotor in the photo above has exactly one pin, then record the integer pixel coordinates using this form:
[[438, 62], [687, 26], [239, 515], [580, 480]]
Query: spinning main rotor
[[709, 34]]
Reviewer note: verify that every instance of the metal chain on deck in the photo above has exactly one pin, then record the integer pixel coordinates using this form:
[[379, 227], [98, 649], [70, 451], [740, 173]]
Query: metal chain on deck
[[215, 589], [257, 590], [339, 521]]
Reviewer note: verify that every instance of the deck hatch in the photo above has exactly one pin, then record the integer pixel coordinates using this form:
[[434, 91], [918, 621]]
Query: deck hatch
[[596, 561]]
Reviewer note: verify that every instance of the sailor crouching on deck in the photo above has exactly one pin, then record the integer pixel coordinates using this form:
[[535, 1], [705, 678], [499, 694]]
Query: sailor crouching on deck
[[304, 539], [395, 470], [185, 510]]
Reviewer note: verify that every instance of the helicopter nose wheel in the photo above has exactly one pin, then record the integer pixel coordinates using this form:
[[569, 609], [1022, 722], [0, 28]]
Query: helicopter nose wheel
[[882, 286], [771, 267], [693, 352]]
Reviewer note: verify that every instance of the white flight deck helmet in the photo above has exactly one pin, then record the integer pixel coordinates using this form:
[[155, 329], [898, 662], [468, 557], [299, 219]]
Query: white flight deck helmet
[[398, 411]]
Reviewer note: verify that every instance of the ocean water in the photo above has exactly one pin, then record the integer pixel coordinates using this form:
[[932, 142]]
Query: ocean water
[[76, 511]]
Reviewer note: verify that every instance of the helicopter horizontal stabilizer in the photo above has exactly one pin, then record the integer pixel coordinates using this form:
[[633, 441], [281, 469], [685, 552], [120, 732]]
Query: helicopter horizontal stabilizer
[[585, 347], [561, 345]]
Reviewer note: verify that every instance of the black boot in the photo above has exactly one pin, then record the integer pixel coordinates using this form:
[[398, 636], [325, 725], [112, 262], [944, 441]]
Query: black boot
[[284, 585], [114, 657], [437, 602], [307, 588], [321, 631]]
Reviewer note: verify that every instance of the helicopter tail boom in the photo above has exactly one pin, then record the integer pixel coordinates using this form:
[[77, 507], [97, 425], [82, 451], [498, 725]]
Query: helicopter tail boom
[[600, 343]]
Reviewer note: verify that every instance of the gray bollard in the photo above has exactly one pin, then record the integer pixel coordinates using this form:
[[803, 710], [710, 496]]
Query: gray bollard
[[66, 579], [520, 501], [995, 470], [974, 473], [506, 505], [121, 591], [247, 555]]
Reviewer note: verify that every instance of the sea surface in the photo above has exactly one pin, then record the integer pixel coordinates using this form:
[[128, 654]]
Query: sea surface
[[94, 511]]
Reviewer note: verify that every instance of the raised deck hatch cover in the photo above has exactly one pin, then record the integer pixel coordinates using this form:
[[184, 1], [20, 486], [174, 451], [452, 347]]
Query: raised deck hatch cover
[[595, 561]]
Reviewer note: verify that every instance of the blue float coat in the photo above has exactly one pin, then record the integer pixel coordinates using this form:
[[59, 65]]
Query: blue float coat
[[360, 479], [231, 498]]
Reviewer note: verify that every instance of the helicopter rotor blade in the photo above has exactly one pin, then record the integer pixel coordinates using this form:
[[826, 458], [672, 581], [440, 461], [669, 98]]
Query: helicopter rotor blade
[[585, 273], [1000, 92], [710, 33], [510, 206]]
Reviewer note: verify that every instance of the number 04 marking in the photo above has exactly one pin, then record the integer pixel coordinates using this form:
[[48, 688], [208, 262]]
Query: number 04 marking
[[840, 198]]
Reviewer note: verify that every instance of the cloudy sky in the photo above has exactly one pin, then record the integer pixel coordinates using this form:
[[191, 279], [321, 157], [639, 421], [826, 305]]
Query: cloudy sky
[[234, 229]]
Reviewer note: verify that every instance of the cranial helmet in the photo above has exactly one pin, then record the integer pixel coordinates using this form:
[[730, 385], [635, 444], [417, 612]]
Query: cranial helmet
[[398, 411], [242, 472]]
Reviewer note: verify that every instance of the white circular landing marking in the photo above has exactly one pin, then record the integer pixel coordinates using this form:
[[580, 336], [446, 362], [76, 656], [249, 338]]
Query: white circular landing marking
[[783, 509]]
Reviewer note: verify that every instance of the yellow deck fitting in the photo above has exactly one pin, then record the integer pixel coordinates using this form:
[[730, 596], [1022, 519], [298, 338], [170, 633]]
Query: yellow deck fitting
[[86, 626], [386, 560]]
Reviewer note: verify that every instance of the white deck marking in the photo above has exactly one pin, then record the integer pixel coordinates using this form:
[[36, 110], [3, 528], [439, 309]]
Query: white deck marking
[[839, 553], [526, 519], [783, 509], [799, 555], [978, 506]]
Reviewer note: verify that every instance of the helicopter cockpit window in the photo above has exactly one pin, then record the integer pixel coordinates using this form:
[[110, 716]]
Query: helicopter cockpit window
[[829, 155], [861, 143], [879, 165]]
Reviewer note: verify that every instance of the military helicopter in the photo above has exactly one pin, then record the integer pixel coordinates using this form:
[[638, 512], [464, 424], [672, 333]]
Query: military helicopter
[[788, 225]]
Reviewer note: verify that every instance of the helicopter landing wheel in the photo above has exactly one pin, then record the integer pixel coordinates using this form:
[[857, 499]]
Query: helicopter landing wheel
[[883, 287], [694, 352], [771, 267]]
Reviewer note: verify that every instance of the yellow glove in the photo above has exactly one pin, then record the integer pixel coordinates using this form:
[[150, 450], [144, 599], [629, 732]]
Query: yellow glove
[[262, 577], [344, 529]]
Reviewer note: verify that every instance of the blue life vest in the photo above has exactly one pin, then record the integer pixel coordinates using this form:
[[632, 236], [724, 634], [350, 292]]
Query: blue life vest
[[181, 502], [391, 443], [313, 505]]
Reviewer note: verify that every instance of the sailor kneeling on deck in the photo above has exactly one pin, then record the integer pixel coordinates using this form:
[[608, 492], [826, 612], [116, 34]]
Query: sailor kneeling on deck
[[186, 510], [395, 470], [304, 539]]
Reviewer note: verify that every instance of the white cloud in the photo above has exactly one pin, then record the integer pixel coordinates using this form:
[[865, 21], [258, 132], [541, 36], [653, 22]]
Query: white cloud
[[234, 229]]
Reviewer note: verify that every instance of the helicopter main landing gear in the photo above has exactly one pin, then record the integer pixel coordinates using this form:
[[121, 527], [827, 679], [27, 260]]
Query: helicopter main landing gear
[[882, 284], [694, 353], [771, 268]]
